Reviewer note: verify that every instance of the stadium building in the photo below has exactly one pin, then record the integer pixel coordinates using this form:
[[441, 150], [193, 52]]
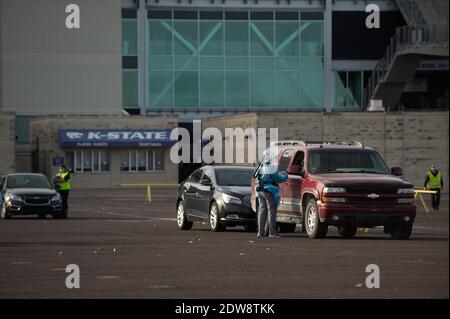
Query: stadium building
[[103, 97]]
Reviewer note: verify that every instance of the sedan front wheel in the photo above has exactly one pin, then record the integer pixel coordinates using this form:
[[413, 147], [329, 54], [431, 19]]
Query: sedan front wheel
[[214, 218]]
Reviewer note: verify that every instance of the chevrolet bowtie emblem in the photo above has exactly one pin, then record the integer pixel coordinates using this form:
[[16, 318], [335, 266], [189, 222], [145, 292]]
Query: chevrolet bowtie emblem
[[373, 196]]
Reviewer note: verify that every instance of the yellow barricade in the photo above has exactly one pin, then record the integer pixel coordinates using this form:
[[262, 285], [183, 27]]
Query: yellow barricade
[[421, 190], [149, 188]]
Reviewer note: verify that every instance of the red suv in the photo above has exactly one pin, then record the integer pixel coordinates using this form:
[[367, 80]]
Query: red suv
[[343, 184]]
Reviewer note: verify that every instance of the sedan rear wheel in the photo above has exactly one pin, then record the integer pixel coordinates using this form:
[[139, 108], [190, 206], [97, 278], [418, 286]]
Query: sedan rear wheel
[[182, 222]]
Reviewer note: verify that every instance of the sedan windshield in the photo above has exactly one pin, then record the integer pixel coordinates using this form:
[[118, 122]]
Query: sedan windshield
[[27, 181], [346, 162], [234, 177]]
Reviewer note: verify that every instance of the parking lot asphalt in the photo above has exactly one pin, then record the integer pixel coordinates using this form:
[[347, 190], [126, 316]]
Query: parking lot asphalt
[[126, 248]]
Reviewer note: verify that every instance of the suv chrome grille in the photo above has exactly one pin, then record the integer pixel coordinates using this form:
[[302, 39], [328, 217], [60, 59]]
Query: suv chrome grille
[[370, 196]]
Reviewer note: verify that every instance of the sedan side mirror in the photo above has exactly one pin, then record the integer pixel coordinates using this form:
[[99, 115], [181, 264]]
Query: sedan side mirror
[[396, 171], [206, 182]]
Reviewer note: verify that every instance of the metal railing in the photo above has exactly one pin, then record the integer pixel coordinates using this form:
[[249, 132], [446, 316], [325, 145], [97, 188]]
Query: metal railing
[[407, 37]]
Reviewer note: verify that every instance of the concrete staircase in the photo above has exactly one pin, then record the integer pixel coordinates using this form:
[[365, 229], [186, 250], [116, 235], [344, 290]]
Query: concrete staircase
[[425, 35]]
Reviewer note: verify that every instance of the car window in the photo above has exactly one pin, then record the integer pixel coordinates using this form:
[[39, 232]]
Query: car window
[[27, 181], [195, 177], [234, 177], [299, 159], [346, 162], [207, 176], [285, 159]]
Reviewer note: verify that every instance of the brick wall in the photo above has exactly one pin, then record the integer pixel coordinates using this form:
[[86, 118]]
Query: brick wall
[[7, 143]]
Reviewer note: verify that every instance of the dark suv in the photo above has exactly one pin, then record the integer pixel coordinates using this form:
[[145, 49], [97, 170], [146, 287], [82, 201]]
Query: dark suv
[[343, 184]]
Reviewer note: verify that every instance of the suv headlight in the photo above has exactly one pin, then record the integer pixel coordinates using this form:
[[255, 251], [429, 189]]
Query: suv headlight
[[56, 197], [12, 197], [406, 191], [334, 190], [231, 199]]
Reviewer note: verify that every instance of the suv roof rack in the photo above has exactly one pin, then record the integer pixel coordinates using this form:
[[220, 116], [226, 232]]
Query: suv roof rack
[[320, 143], [287, 142]]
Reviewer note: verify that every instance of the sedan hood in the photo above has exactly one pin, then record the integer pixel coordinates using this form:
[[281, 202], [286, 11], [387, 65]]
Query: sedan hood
[[235, 190], [361, 180], [32, 191]]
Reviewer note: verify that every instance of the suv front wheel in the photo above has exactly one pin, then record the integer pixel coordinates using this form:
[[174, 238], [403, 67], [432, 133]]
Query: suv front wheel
[[314, 228], [401, 231]]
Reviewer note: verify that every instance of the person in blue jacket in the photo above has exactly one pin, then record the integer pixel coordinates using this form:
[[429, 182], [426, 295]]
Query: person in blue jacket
[[269, 197]]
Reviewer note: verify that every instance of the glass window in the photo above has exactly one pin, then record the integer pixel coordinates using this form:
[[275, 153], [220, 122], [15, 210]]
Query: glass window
[[185, 37], [150, 160], [311, 38], [160, 87], [160, 32], [284, 160], [236, 38], [236, 89], [262, 89], [87, 160], [211, 38], [130, 88], [104, 161], [348, 89], [78, 161], [159, 160], [133, 161], [142, 160], [262, 38], [287, 89], [287, 38], [212, 85], [125, 161], [69, 158], [195, 177], [311, 82], [186, 89], [129, 37]]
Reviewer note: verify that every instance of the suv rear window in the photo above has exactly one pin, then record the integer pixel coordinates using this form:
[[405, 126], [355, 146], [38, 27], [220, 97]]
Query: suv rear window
[[321, 162]]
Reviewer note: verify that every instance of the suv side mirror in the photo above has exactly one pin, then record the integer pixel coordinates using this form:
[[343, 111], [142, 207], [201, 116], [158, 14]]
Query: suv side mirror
[[396, 171], [295, 170]]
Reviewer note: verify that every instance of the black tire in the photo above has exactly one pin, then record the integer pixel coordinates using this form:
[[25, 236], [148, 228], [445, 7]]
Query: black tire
[[182, 221], [287, 227], [42, 216], [401, 231], [3, 213], [347, 231], [214, 218], [314, 228]]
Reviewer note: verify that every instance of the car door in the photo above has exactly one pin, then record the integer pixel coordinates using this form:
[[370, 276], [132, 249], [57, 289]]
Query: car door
[[292, 196], [205, 190], [191, 193], [283, 163]]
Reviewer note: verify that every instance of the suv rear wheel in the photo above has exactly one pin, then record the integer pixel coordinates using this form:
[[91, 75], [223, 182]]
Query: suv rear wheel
[[347, 231], [314, 228], [286, 227], [401, 231], [182, 222]]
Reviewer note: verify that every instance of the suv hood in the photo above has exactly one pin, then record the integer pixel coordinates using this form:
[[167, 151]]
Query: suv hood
[[360, 180], [31, 191]]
